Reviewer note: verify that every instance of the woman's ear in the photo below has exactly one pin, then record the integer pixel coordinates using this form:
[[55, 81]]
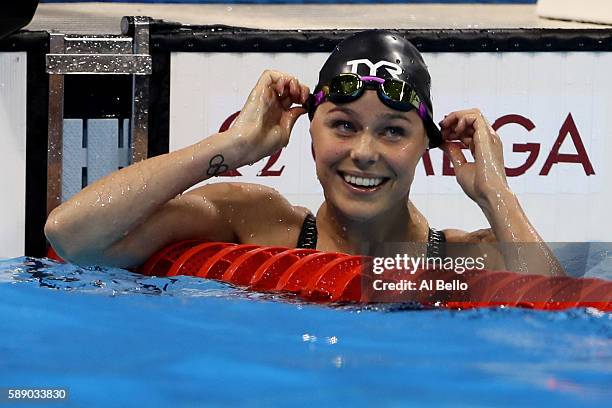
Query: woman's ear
[[426, 144]]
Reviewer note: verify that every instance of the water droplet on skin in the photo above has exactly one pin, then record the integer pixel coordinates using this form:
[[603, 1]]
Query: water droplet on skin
[[251, 235]]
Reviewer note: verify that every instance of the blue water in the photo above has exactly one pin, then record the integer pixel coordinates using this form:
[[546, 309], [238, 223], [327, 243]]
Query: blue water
[[115, 338]]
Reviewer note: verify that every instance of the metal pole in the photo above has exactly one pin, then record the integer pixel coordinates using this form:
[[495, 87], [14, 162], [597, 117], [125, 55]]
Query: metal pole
[[55, 133], [139, 28]]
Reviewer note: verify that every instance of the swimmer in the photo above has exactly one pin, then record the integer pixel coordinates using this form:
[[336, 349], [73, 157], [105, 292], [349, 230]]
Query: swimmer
[[371, 122]]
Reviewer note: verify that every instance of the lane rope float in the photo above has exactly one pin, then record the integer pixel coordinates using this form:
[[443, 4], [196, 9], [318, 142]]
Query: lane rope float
[[335, 277]]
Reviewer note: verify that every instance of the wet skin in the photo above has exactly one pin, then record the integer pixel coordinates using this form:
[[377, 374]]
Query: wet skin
[[125, 217], [366, 138]]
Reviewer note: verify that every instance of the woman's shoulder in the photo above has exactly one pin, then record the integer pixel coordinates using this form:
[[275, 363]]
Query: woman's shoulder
[[257, 197], [485, 235], [259, 214], [479, 243]]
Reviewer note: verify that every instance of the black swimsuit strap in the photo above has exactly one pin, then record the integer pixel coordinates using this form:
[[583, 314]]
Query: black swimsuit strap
[[308, 234], [436, 247], [308, 238]]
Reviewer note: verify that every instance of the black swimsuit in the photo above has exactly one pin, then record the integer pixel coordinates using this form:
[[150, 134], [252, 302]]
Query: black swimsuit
[[308, 238]]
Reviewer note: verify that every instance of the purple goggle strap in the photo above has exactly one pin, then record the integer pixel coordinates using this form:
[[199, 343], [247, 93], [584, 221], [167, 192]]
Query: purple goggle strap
[[320, 96]]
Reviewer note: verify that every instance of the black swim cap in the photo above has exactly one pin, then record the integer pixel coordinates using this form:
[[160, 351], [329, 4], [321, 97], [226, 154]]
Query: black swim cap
[[384, 54]]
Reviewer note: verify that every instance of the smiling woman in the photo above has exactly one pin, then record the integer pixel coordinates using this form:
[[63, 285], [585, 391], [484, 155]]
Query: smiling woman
[[371, 122]]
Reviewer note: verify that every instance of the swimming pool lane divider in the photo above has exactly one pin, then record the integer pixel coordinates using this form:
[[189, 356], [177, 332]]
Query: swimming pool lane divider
[[329, 277]]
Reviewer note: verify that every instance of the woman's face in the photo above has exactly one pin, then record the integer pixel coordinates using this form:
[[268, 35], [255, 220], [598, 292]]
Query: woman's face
[[366, 154]]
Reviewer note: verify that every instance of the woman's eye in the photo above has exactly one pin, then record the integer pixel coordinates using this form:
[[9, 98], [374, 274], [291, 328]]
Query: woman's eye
[[394, 132], [343, 126]]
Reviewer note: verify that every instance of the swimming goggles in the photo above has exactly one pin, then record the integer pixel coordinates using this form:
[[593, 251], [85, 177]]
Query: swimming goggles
[[348, 87]]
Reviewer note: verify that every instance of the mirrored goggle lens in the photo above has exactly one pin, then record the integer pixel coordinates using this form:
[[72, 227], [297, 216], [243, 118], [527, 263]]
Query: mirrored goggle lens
[[346, 85], [399, 91]]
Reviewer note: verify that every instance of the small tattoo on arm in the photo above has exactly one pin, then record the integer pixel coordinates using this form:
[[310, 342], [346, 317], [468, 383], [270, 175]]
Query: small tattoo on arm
[[216, 165]]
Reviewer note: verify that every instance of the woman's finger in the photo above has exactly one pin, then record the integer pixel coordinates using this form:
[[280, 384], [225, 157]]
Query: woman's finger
[[286, 102], [271, 78], [298, 93], [445, 133], [460, 126], [470, 144], [466, 125], [294, 89], [287, 85], [304, 94], [485, 138], [452, 119], [291, 116], [280, 87], [449, 120], [450, 134], [454, 153]]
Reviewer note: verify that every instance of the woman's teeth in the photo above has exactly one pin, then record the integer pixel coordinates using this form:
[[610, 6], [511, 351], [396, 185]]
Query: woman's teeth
[[362, 181]]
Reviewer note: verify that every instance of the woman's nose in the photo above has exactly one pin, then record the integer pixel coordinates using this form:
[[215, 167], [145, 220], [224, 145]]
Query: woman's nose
[[364, 151]]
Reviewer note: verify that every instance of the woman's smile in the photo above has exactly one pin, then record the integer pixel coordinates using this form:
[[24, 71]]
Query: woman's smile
[[362, 184]]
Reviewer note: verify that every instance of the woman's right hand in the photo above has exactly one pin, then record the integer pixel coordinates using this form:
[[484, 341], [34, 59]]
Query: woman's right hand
[[267, 118]]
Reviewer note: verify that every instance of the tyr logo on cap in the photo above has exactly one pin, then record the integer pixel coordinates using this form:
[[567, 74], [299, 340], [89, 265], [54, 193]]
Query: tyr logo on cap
[[393, 69]]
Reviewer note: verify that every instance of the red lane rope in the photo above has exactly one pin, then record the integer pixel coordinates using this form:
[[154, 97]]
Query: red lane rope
[[335, 277]]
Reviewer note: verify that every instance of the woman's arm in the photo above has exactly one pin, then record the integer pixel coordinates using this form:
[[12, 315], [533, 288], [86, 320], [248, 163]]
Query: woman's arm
[[484, 181], [109, 209], [103, 214]]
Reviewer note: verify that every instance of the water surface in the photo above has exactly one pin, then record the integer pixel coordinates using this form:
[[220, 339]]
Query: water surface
[[115, 338]]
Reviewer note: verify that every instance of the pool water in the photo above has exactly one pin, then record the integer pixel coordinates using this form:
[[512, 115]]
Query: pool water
[[116, 338]]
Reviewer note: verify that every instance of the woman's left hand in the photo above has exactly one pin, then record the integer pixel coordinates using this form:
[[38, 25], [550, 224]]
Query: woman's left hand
[[485, 178]]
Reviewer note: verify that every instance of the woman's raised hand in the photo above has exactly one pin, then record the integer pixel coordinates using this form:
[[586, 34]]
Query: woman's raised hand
[[485, 178], [267, 118]]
